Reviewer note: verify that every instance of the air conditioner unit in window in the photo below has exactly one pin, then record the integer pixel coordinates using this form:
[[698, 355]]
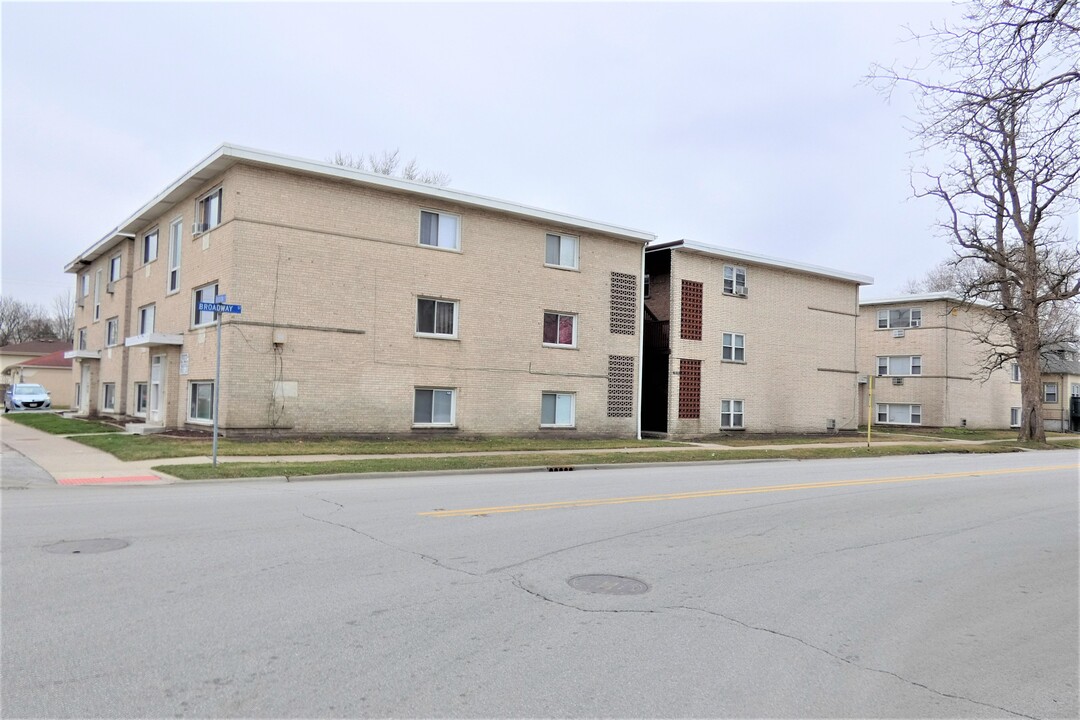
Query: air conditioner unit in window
[[81, 302], [110, 288], [740, 290], [898, 333], [197, 228], [898, 381]]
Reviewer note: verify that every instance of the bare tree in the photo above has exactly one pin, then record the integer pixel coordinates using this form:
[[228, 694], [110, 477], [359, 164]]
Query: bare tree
[[997, 130], [63, 316], [21, 322], [388, 164]]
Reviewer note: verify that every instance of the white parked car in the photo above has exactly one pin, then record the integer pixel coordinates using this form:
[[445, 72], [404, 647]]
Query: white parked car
[[24, 396]]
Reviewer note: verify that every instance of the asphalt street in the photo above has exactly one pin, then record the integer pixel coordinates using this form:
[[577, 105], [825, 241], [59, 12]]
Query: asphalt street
[[921, 586]]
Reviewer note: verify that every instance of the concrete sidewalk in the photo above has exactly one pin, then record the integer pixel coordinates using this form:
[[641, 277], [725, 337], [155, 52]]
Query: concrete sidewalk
[[72, 463], [69, 462]]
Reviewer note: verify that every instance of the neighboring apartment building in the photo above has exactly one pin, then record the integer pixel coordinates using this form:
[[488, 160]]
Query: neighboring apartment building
[[52, 371], [739, 342], [1061, 391], [925, 356], [370, 305]]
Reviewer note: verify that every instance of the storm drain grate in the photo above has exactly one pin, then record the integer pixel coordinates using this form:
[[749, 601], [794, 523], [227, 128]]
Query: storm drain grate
[[608, 584], [86, 547], [566, 468]]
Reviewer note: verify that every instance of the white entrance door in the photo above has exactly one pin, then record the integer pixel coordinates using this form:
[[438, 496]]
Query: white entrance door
[[157, 377], [84, 389]]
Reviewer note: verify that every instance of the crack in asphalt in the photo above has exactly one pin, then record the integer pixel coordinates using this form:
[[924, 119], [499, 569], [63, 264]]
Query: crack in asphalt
[[516, 581], [662, 526], [428, 558], [845, 660]]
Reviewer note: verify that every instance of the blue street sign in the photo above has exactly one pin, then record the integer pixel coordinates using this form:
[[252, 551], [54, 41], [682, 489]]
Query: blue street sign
[[220, 299], [219, 308]]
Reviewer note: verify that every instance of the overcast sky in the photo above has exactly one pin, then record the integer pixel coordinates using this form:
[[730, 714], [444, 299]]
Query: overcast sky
[[740, 125]]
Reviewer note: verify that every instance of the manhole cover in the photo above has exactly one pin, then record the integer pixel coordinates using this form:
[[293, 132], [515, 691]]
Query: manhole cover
[[608, 584], [85, 547]]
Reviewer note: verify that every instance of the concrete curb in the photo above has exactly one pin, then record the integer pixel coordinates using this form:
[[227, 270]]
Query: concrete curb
[[477, 471]]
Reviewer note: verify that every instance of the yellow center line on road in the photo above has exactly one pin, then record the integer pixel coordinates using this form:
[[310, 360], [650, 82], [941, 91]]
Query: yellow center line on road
[[559, 505]]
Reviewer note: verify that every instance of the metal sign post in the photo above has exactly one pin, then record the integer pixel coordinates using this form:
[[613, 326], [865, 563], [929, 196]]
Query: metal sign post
[[219, 308]]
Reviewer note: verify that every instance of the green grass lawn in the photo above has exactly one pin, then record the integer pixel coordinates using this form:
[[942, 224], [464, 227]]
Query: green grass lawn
[[53, 423], [946, 433], [847, 437], [474, 462], [153, 447]]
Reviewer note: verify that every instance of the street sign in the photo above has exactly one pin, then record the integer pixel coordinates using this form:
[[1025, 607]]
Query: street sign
[[221, 299], [219, 308]]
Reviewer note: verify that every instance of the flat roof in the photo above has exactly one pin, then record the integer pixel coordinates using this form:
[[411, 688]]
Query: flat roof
[[742, 255], [926, 297], [227, 155]]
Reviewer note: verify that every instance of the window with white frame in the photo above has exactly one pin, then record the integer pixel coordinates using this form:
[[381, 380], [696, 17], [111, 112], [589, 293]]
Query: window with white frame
[[439, 229], [734, 280], [557, 410], [731, 414], [562, 251], [112, 331], [899, 414], [141, 394], [1014, 371], [434, 406], [734, 347], [84, 284], [208, 215], [146, 319], [1050, 393], [204, 294], [1014, 417], [436, 318], [201, 401], [560, 329], [150, 246], [114, 269], [899, 365], [1074, 390], [82, 339], [108, 396], [176, 231], [899, 318], [97, 295]]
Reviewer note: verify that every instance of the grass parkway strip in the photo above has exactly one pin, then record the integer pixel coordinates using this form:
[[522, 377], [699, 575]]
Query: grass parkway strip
[[560, 505], [291, 469]]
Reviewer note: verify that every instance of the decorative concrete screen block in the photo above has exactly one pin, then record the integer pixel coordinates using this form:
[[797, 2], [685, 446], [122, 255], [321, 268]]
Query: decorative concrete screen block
[[689, 388], [691, 311], [623, 303], [620, 386]]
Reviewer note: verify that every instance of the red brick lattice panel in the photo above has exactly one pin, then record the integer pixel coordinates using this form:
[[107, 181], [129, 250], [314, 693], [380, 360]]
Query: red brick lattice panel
[[690, 328], [689, 388], [620, 386], [623, 303]]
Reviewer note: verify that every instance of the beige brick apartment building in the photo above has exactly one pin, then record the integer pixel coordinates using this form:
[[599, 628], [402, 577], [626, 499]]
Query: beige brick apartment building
[[370, 305], [740, 342], [925, 356]]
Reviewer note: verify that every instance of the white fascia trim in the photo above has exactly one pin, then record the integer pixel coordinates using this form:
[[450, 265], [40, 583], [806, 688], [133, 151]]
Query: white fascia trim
[[927, 297], [742, 255], [153, 339], [415, 188], [227, 155]]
